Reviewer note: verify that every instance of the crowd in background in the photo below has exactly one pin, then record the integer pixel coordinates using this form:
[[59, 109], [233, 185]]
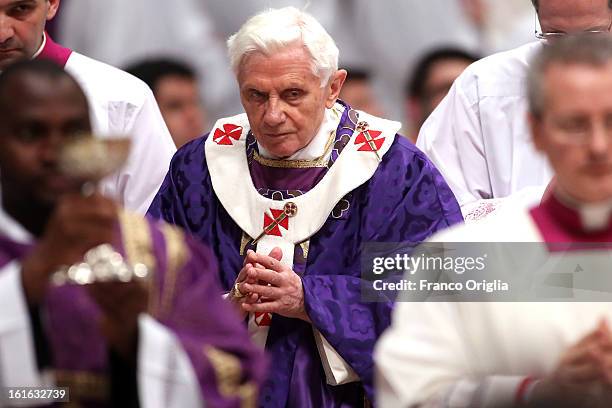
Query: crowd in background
[[387, 41], [138, 258]]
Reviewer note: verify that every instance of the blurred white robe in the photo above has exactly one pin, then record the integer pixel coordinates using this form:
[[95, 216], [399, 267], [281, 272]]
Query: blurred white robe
[[477, 354]]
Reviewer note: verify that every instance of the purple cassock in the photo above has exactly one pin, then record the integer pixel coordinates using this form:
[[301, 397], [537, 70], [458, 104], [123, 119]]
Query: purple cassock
[[405, 200], [184, 297]]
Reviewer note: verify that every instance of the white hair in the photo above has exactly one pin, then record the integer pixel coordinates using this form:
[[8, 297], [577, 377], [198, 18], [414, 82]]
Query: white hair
[[275, 29]]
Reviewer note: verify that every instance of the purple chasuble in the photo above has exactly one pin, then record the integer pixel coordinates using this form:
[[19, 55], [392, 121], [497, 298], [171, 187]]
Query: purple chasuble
[[406, 200], [186, 299], [10, 251]]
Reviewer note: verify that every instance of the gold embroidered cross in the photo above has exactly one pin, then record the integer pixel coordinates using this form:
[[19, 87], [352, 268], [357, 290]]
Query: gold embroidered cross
[[363, 129], [281, 219]]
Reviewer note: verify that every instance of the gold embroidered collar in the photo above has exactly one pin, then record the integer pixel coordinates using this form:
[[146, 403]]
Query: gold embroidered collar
[[320, 161]]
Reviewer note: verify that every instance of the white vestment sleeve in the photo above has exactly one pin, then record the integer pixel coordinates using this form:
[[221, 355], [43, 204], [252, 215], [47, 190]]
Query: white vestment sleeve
[[337, 370], [422, 361], [150, 155], [478, 136], [452, 139], [18, 367], [166, 378]]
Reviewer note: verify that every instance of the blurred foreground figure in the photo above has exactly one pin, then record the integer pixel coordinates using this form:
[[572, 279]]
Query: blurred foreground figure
[[175, 87], [478, 136], [529, 354], [138, 318], [119, 103], [288, 193]]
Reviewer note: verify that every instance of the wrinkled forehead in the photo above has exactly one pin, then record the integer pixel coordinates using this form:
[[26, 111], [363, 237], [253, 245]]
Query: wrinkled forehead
[[574, 87], [294, 51]]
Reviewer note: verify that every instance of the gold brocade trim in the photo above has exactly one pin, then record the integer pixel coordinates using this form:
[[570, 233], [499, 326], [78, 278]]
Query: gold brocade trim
[[320, 161], [305, 245], [137, 240], [176, 251], [138, 246], [83, 385], [228, 371], [244, 241]]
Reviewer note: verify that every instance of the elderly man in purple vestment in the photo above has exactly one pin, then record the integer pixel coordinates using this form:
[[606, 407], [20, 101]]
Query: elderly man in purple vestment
[[150, 328], [287, 194]]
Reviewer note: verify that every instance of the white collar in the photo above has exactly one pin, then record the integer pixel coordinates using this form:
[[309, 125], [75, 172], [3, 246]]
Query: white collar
[[316, 148], [42, 46], [10, 228], [593, 216], [248, 208]]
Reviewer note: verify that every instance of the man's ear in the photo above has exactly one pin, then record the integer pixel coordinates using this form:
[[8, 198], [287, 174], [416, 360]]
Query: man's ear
[[335, 85], [53, 7], [536, 125]]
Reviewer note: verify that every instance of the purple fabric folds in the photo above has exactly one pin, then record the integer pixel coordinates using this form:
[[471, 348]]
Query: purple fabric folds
[[193, 310], [406, 200]]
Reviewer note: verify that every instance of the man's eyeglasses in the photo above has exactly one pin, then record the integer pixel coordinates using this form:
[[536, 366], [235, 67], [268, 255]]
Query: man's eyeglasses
[[578, 131], [555, 35]]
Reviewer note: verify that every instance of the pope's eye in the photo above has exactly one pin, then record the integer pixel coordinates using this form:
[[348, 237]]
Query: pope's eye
[[293, 94], [256, 96]]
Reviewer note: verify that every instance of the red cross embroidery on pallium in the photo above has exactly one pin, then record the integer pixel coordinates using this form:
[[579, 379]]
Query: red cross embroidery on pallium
[[224, 137], [271, 226], [372, 143], [263, 318]]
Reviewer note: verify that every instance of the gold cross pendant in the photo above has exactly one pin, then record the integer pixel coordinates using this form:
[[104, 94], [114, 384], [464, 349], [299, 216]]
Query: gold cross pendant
[[362, 127]]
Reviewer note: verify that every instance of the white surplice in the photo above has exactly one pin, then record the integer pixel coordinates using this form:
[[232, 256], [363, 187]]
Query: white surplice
[[477, 354], [478, 136]]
